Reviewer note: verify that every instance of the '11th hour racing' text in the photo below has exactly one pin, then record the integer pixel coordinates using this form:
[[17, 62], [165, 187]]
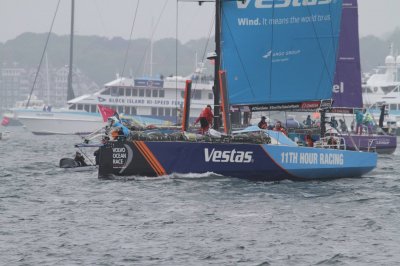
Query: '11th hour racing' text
[[312, 158]]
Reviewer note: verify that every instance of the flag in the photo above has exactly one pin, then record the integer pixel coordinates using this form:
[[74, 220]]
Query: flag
[[5, 121], [106, 112]]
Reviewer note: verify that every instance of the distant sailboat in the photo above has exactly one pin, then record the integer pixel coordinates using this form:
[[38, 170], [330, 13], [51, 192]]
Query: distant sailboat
[[347, 91], [301, 44], [152, 101], [61, 120]]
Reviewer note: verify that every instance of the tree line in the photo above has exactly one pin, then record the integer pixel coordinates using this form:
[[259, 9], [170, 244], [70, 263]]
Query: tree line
[[102, 58]]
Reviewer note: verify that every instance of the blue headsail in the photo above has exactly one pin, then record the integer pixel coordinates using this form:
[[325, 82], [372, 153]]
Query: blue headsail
[[279, 51]]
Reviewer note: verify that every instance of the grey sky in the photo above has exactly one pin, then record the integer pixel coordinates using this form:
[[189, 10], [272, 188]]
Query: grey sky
[[112, 18]]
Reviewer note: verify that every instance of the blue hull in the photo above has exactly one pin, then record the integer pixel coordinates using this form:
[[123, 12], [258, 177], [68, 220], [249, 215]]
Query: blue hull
[[264, 162]]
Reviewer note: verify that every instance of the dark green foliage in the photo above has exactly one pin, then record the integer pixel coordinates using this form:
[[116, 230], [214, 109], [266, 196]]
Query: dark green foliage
[[101, 58]]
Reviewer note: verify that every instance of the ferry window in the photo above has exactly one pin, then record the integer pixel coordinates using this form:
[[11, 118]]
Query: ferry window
[[386, 90], [87, 108], [133, 111], [120, 109], [106, 92], [161, 94], [155, 93], [80, 107], [393, 107], [167, 112], [197, 95], [161, 111], [128, 92], [93, 108], [127, 110], [141, 92], [114, 91], [210, 96], [72, 107], [121, 91], [148, 93], [134, 92], [174, 112], [153, 111]]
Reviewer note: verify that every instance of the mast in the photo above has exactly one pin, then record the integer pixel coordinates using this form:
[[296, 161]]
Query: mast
[[47, 80], [216, 88], [151, 49], [70, 91]]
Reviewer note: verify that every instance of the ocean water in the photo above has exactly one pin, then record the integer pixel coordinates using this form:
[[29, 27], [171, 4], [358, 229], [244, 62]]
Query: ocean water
[[49, 216]]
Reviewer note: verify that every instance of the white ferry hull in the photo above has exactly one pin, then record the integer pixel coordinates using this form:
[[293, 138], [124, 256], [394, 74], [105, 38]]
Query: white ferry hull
[[53, 123]]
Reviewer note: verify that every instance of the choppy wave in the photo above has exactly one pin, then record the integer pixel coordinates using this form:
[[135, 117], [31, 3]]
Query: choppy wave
[[53, 217]]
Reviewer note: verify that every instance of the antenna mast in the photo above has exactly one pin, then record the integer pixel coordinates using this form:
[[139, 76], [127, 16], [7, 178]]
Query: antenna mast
[[70, 91]]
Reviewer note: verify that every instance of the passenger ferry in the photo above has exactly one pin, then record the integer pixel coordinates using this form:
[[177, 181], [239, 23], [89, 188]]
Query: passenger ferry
[[147, 100]]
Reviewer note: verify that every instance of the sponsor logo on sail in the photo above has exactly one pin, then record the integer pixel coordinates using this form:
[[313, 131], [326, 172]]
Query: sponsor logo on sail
[[281, 3], [338, 88]]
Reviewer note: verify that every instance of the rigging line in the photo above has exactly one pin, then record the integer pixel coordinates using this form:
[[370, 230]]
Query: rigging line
[[209, 36], [43, 54], [105, 31], [130, 39], [152, 35], [237, 52], [205, 48], [176, 60], [337, 48], [320, 47], [272, 51]]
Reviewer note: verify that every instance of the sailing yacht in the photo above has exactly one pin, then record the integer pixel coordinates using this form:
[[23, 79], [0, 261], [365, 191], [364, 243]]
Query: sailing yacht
[[290, 66], [347, 91]]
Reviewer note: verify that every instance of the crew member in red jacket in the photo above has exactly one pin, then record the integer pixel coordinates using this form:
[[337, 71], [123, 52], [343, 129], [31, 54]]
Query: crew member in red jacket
[[205, 118], [279, 127]]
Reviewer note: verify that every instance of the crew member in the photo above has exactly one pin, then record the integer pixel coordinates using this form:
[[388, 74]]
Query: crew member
[[308, 121], [80, 159], [334, 122], [205, 118], [309, 140], [121, 130], [279, 127], [96, 154], [263, 124], [359, 122], [369, 121], [332, 142]]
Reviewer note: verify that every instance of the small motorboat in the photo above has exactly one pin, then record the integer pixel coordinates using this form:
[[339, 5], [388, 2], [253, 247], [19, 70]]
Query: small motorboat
[[4, 135], [72, 165]]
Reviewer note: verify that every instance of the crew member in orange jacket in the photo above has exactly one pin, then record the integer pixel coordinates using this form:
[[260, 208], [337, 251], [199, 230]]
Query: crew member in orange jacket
[[205, 118]]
